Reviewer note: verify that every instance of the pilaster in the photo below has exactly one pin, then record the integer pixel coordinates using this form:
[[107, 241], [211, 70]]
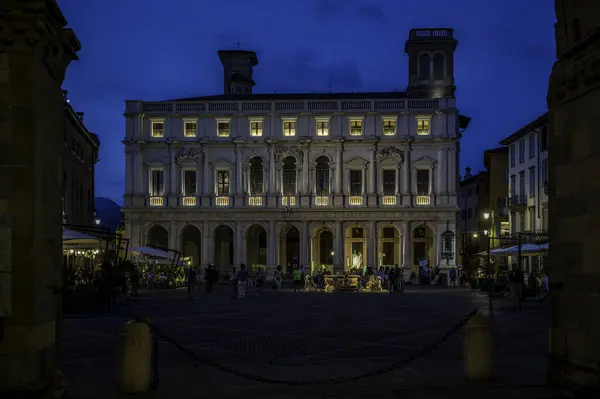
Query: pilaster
[[173, 192], [239, 245], [36, 50]]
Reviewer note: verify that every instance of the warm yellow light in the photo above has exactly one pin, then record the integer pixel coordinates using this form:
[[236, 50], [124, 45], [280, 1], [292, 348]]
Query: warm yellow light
[[475, 235], [485, 232], [486, 215]]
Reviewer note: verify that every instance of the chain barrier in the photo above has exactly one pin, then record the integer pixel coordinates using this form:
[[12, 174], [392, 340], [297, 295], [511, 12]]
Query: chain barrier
[[158, 334]]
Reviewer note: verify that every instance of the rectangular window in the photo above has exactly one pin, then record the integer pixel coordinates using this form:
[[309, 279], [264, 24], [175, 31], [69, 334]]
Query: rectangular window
[[157, 183], [256, 128], [531, 145], [423, 126], [190, 129], [322, 128], [289, 128], [513, 151], [389, 128], [389, 182], [256, 181], [356, 182], [545, 171], [544, 139], [513, 185], [189, 183], [532, 182], [522, 183], [355, 128], [522, 150], [289, 182], [158, 129], [423, 182], [222, 182], [223, 129], [531, 219]]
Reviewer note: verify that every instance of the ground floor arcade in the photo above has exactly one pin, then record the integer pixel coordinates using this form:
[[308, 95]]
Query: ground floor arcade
[[338, 243]]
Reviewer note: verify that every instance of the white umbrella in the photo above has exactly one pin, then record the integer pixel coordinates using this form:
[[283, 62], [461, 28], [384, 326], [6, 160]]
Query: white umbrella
[[72, 237]]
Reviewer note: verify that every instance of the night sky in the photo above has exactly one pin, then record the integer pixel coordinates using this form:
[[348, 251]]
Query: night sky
[[159, 49]]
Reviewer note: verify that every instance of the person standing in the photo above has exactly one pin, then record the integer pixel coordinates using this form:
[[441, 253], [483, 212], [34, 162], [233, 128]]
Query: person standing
[[297, 276], [242, 279], [516, 284], [260, 278], [453, 277], [392, 280], [277, 277]]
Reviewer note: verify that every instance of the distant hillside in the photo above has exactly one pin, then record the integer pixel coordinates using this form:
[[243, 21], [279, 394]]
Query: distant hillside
[[109, 213]]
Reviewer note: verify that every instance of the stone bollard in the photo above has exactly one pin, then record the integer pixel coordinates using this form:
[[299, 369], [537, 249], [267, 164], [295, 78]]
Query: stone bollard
[[136, 358], [478, 348]]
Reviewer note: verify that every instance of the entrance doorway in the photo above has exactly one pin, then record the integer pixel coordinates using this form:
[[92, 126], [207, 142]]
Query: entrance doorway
[[223, 249], [289, 254], [422, 245], [256, 247], [389, 251], [191, 242], [322, 251], [355, 249]]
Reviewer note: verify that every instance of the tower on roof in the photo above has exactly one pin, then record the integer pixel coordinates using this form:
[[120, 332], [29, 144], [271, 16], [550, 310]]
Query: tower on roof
[[431, 62], [238, 68]]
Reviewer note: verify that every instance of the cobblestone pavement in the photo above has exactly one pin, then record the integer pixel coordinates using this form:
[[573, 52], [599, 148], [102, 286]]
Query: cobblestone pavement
[[307, 336]]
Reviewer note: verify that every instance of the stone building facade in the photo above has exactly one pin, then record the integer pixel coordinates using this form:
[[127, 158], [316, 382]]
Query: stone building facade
[[80, 154], [339, 180]]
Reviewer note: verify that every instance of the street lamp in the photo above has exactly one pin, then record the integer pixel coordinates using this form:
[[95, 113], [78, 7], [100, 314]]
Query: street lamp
[[97, 222], [486, 216]]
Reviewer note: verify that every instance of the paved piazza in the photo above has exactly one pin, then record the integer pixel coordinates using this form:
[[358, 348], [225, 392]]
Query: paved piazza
[[307, 336]]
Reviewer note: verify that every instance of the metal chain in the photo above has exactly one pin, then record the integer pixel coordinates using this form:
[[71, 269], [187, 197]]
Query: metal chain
[[158, 335]]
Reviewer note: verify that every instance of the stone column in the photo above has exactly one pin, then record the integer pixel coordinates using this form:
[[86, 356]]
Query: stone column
[[453, 171], [574, 274], [239, 245], [272, 182], [205, 191], [441, 171], [305, 169], [305, 258], [338, 170], [173, 239], [129, 170], [239, 190], [372, 245], [205, 250], [173, 191], [140, 175], [407, 263], [406, 168], [36, 50], [338, 258], [272, 246]]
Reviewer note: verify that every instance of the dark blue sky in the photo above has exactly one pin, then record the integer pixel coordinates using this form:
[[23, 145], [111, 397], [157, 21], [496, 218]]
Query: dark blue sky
[[159, 49]]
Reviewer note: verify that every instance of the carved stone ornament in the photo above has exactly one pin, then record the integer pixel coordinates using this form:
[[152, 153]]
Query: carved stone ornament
[[389, 152], [187, 154], [284, 150]]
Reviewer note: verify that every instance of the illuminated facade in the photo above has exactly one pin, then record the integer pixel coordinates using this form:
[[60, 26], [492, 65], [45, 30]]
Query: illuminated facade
[[342, 180]]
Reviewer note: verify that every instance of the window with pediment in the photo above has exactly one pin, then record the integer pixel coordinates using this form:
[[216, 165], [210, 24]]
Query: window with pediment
[[222, 182], [389, 181], [256, 178], [288, 178], [322, 174]]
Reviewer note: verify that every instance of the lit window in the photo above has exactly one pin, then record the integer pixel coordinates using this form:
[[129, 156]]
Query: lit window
[[389, 128], [223, 129], [423, 126], [322, 128], [256, 128], [190, 129], [158, 129], [356, 128], [222, 182], [289, 128]]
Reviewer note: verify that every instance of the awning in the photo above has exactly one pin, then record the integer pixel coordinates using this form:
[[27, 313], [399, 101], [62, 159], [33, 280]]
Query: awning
[[77, 238], [149, 251]]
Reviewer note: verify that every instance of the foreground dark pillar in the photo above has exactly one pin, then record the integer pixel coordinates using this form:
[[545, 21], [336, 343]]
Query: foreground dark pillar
[[574, 159], [35, 50]]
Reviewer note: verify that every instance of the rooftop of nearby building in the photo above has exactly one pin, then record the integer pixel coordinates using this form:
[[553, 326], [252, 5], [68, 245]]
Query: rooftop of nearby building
[[77, 118], [470, 178], [539, 122]]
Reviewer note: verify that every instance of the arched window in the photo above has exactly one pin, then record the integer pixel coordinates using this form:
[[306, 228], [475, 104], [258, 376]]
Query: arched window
[[256, 176], [288, 178], [438, 67], [424, 66], [322, 176]]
